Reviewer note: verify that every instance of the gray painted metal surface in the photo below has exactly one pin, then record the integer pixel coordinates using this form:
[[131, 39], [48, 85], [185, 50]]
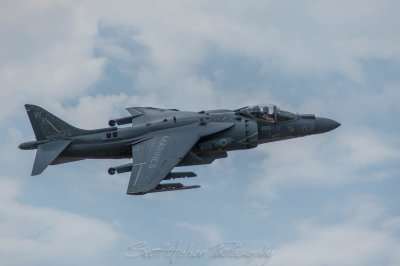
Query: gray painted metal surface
[[159, 140]]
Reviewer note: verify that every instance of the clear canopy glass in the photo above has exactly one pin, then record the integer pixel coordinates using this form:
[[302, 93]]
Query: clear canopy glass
[[267, 112]]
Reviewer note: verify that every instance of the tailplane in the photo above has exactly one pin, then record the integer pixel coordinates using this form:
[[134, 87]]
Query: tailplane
[[47, 153], [49, 127]]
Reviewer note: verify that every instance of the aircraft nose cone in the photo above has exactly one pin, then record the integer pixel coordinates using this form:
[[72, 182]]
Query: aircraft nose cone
[[323, 125]]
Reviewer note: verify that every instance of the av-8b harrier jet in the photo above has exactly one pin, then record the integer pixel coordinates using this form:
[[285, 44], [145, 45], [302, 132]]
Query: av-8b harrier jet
[[161, 139]]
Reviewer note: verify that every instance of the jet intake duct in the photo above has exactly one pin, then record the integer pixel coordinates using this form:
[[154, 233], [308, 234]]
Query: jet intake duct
[[120, 121]]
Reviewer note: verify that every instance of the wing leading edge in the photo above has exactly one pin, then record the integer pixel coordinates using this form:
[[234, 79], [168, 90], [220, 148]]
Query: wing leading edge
[[154, 158]]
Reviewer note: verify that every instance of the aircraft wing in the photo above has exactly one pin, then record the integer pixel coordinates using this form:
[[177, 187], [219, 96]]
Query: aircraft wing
[[155, 157]]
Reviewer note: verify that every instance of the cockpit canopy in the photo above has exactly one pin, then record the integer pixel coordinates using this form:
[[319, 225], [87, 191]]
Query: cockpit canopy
[[267, 112]]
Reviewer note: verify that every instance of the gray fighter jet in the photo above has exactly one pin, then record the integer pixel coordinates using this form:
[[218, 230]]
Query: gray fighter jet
[[159, 140]]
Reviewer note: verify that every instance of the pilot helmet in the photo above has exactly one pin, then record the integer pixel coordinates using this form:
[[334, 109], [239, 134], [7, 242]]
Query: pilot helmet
[[256, 109]]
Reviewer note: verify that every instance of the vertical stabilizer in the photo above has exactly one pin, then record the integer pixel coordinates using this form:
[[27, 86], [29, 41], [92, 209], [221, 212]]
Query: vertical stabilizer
[[47, 126]]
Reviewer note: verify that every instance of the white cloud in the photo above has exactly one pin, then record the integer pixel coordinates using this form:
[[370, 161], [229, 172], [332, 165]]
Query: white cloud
[[328, 160], [357, 240], [209, 232], [47, 53], [313, 37], [358, 230], [30, 234]]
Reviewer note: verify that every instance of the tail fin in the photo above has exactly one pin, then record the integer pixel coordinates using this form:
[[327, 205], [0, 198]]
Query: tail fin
[[47, 126]]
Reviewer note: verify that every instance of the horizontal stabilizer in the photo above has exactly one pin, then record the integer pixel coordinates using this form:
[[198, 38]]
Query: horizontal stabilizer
[[47, 153]]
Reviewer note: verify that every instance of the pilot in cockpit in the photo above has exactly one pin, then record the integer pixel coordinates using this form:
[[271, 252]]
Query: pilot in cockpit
[[265, 114], [256, 112]]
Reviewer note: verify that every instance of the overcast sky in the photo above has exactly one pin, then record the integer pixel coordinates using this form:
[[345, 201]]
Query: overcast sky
[[331, 199]]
